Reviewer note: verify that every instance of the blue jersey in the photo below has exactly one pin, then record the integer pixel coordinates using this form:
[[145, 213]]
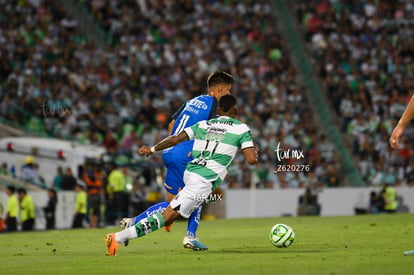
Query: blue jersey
[[200, 108]]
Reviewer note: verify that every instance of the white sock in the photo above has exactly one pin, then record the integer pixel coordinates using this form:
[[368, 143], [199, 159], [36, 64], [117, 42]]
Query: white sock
[[126, 234]]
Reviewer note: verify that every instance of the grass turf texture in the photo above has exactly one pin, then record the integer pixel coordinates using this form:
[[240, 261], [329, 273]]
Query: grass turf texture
[[369, 244]]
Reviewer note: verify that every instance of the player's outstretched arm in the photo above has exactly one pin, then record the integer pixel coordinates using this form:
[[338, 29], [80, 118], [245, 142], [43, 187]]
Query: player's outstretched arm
[[250, 154], [167, 142], [406, 117]]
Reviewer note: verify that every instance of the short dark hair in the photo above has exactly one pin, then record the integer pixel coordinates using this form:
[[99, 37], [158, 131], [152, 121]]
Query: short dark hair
[[11, 188], [219, 78], [21, 190], [227, 102]]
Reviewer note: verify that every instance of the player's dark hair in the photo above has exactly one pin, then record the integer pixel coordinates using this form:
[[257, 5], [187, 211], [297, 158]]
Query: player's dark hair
[[219, 78], [227, 102], [11, 188], [21, 190]]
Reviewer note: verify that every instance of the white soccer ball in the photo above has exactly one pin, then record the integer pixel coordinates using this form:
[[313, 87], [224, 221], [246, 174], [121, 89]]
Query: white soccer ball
[[281, 235]]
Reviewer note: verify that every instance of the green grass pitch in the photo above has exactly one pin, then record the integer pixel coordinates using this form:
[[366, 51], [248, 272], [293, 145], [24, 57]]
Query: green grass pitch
[[368, 244]]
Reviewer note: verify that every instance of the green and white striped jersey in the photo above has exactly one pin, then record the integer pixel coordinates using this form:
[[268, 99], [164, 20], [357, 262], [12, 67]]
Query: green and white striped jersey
[[216, 142]]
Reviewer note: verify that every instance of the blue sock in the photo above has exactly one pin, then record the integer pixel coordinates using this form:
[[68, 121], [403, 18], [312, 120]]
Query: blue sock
[[156, 208], [193, 222]]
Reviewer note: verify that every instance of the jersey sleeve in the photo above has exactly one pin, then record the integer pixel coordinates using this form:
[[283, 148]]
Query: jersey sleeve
[[178, 112], [190, 131], [246, 140], [213, 110]]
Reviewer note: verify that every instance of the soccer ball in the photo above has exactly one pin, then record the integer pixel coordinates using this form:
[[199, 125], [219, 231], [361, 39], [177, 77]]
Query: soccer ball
[[281, 235]]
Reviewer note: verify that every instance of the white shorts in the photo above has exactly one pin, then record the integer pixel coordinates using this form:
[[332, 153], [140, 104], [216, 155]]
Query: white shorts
[[195, 192]]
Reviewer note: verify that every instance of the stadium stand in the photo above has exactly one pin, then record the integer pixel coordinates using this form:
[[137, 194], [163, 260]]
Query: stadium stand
[[363, 53], [6, 180], [162, 51]]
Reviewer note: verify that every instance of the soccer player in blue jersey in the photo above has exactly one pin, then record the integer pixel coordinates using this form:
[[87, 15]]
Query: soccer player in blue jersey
[[175, 159]]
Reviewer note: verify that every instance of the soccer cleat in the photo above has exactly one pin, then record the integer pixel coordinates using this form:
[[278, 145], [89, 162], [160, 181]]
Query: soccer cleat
[[409, 253], [168, 228], [111, 244], [124, 224], [193, 244]]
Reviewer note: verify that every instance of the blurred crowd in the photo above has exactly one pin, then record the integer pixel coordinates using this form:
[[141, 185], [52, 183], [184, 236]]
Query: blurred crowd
[[105, 193], [363, 52], [161, 55]]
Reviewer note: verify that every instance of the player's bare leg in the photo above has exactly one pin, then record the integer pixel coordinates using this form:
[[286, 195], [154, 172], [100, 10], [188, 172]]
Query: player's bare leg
[[160, 207], [140, 229], [170, 197]]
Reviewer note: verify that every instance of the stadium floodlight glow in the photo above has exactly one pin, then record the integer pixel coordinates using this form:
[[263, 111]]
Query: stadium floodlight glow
[[61, 154], [10, 146]]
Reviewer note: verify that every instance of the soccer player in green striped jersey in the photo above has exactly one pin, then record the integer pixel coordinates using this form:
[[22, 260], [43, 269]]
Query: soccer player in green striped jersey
[[216, 143]]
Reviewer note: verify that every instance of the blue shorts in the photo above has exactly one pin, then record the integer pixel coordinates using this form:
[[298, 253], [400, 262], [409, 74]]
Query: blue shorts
[[175, 160]]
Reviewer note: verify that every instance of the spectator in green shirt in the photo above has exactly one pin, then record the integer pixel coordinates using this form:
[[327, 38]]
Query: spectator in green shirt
[[12, 209], [27, 210], [80, 206]]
